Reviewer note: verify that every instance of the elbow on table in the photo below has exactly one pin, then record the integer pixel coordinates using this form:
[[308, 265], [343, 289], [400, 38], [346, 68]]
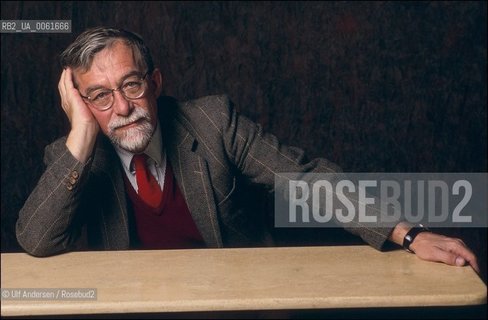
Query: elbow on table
[[40, 246]]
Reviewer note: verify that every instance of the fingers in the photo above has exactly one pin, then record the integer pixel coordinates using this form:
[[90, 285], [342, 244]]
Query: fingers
[[463, 254], [460, 261], [68, 80], [71, 101], [434, 247], [84, 127], [62, 90], [440, 255], [459, 253]]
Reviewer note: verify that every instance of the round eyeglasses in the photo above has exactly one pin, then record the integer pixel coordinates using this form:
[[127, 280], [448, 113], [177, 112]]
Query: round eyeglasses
[[134, 87]]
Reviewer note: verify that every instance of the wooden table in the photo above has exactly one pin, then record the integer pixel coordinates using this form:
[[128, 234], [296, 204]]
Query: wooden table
[[238, 279]]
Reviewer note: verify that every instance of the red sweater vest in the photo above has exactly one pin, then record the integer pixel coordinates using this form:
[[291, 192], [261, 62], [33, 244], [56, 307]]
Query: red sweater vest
[[168, 227]]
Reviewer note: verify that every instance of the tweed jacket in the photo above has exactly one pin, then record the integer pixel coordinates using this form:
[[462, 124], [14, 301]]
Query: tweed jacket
[[211, 148]]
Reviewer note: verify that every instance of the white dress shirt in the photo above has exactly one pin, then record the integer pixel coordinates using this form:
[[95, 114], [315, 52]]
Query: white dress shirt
[[156, 161]]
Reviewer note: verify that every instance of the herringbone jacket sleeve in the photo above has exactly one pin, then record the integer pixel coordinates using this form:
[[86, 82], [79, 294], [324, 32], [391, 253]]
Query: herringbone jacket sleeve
[[47, 222]]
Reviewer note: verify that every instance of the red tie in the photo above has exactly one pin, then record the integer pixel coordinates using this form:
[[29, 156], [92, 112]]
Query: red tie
[[148, 188]]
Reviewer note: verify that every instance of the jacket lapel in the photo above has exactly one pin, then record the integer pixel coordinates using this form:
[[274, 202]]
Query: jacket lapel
[[113, 210], [191, 173]]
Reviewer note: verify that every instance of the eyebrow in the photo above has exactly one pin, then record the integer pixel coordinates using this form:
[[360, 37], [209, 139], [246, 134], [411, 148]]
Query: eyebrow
[[90, 89]]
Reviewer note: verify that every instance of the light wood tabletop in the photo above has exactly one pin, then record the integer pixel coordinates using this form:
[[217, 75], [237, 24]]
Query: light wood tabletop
[[236, 279]]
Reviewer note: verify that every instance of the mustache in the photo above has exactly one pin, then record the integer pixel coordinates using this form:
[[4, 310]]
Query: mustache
[[136, 115]]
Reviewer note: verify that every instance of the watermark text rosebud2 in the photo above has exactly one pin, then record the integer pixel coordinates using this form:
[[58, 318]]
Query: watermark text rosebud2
[[381, 199]]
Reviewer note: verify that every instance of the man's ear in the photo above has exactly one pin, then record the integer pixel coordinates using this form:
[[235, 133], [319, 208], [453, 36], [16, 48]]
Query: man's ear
[[157, 81]]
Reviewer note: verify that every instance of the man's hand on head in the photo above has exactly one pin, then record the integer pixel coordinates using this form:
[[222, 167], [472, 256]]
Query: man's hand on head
[[84, 127]]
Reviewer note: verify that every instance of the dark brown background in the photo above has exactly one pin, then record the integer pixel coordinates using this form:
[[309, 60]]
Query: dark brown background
[[382, 86]]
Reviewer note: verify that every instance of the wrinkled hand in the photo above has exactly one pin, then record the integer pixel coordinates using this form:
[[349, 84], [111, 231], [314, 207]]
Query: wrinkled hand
[[438, 248], [73, 105], [84, 126]]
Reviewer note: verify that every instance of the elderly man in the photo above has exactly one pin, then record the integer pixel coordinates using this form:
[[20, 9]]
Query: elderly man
[[169, 174]]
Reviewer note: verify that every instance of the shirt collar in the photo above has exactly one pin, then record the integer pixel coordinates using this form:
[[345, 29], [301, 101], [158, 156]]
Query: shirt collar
[[153, 151]]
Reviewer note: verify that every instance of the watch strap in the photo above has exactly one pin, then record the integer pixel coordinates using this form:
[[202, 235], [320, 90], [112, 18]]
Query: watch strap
[[411, 234]]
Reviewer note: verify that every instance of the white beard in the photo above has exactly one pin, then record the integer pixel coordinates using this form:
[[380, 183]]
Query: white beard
[[133, 139]]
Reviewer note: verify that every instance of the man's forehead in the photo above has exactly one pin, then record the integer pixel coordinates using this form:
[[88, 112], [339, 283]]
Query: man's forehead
[[112, 57], [116, 60]]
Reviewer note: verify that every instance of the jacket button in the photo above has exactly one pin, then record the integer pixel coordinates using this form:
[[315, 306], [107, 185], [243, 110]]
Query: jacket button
[[72, 180], [69, 187], [75, 174]]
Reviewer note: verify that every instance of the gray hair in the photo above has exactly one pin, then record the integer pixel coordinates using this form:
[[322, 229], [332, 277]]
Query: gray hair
[[81, 52]]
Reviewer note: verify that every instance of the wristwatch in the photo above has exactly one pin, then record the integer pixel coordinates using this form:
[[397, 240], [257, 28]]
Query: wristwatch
[[411, 234]]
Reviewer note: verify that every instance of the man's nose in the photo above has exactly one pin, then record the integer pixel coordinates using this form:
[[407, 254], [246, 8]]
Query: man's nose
[[121, 106]]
